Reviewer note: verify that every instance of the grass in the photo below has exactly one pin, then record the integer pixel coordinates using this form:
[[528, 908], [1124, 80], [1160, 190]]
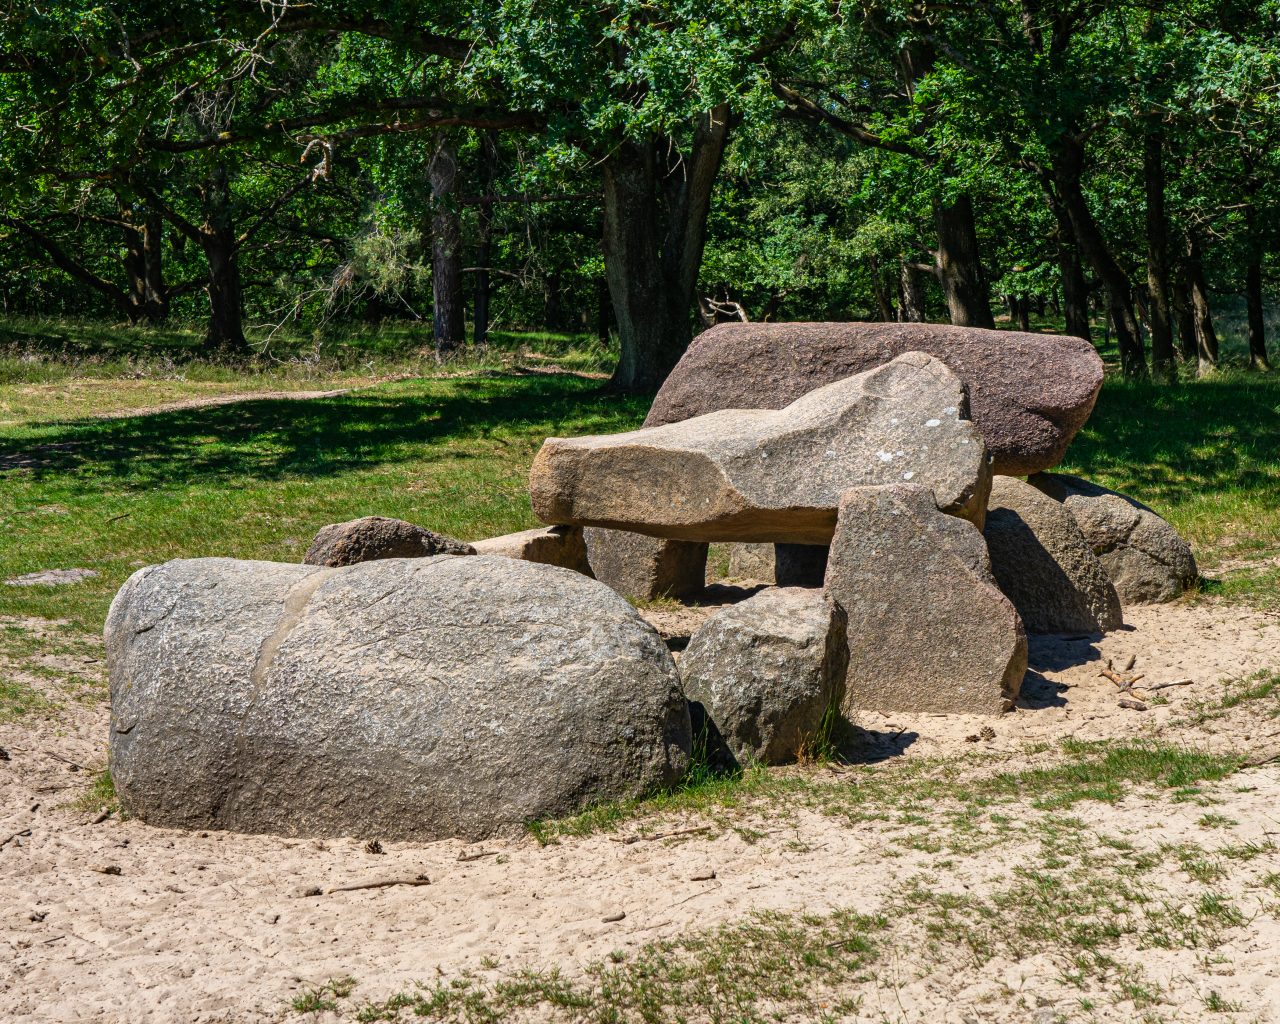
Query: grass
[[451, 450]]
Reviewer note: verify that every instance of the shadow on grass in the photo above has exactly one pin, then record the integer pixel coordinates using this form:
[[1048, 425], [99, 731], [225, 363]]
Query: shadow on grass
[[1164, 444], [270, 439]]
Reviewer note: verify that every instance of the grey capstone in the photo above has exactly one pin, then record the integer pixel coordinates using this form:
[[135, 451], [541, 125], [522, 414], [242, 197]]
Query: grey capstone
[[766, 672], [763, 475], [1044, 564], [402, 699]]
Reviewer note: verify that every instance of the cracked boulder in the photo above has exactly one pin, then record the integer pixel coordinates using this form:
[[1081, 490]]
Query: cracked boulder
[[399, 699], [1144, 556], [1028, 393], [643, 568], [928, 628], [1044, 564], [765, 475]]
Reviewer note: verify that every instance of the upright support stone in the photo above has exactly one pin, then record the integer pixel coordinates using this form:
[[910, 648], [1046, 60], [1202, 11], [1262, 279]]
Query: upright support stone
[[643, 568], [928, 629]]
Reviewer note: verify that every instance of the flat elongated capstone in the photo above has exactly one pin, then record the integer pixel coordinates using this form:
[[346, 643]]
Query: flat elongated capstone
[[762, 475]]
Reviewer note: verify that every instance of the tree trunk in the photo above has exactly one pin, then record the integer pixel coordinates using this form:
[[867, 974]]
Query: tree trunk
[[135, 269], [910, 295], [1022, 312], [218, 240], [656, 202], [552, 311], [1206, 336], [1185, 318], [484, 239], [960, 265], [880, 291], [156, 302], [1158, 315], [1075, 291], [448, 314], [1253, 294], [1093, 247]]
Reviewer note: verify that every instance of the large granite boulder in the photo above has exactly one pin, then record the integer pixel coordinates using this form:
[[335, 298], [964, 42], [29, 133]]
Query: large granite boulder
[[766, 672], [762, 475], [1028, 393], [643, 568], [402, 699], [1044, 564], [551, 545], [374, 537], [928, 629], [1144, 556], [787, 565]]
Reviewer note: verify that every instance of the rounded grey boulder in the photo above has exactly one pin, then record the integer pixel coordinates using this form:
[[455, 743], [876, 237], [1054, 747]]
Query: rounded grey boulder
[[767, 670], [402, 698], [1146, 558], [1044, 564]]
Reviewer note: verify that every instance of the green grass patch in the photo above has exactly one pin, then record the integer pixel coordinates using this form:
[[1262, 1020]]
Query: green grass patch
[[257, 479], [1204, 454]]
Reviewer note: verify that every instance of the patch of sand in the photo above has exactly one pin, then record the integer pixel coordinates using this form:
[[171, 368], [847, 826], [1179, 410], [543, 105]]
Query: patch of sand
[[211, 926]]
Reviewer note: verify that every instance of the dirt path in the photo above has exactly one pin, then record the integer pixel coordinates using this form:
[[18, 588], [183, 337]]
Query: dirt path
[[116, 921]]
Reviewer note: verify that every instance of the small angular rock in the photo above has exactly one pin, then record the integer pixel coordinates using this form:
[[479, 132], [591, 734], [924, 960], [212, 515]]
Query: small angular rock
[[374, 537], [928, 629], [766, 672], [1044, 564], [1144, 556], [762, 475], [552, 545]]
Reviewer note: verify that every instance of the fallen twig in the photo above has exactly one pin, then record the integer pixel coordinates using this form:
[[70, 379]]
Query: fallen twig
[[628, 840], [17, 835], [75, 766], [1162, 686], [382, 883], [464, 857]]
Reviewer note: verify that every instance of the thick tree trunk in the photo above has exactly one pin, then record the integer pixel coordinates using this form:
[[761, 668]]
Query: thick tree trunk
[[1022, 312], [910, 295], [156, 302], [448, 313], [1206, 336], [656, 202], [1158, 315], [1253, 294], [552, 308], [218, 240], [135, 269], [1093, 247], [1075, 291], [880, 291], [960, 265]]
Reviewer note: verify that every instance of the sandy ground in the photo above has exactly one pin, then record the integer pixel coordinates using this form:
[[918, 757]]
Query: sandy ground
[[109, 920]]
